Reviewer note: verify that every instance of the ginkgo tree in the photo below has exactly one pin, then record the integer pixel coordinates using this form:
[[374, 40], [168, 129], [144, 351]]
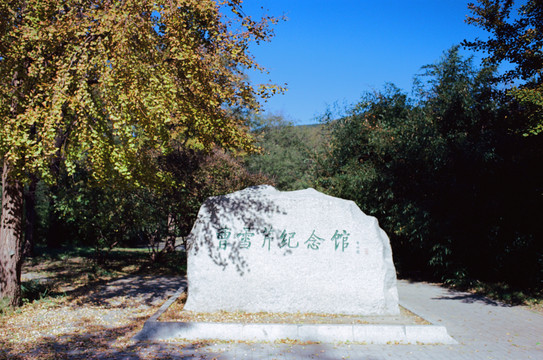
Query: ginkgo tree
[[111, 84]]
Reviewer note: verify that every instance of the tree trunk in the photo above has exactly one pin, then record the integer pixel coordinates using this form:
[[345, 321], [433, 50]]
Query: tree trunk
[[30, 218], [11, 232]]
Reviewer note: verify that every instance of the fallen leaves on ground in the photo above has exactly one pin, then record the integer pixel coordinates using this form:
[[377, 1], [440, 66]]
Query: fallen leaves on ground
[[84, 315], [176, 313]]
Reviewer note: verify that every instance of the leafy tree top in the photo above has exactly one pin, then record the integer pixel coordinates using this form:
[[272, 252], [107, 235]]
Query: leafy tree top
[[518, 40], [114, 82]]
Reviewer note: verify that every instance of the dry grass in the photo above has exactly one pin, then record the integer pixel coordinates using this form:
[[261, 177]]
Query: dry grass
[[176, 313]]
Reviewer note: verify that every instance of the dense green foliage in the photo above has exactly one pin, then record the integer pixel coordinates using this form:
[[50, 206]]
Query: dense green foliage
[[110, 216], [452, 182]]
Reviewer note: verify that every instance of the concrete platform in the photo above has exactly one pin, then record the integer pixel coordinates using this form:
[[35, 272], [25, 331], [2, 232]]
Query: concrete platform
[[154, 330]]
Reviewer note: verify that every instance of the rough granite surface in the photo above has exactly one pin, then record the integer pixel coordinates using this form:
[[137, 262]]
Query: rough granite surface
[[260, 249]]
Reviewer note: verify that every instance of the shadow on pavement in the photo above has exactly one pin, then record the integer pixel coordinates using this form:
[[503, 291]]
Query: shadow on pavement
[[470, 298]]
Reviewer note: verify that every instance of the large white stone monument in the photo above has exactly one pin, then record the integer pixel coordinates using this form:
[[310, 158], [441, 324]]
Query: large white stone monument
[[261, 249]]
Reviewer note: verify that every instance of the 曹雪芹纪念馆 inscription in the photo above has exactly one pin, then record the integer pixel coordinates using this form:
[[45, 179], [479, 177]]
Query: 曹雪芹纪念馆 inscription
[[260, 249], [246, 238]]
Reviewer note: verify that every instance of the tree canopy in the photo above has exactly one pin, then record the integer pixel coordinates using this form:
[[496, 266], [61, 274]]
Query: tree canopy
[[108, 81], [517, 39]]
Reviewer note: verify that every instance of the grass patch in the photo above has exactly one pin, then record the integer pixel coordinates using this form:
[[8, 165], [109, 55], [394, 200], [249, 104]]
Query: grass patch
[[34, 290], [4, 306]]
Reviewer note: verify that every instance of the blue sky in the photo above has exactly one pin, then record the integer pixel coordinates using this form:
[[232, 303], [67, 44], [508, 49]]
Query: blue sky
[[332, 51]]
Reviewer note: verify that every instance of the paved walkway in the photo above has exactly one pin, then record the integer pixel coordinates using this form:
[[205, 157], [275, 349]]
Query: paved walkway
[[483, 328]]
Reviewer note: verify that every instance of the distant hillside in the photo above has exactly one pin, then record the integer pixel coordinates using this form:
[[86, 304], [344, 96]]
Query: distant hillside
[[288, 153], [313, 135]]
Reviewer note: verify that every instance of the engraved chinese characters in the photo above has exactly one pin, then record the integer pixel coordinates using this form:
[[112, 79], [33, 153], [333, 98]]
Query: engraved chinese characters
[[260, 249], [313, 242]]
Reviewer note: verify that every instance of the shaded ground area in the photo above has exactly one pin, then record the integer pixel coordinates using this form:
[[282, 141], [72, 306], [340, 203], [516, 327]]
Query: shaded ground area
[[90, 322], [93, 314], [78, 309]]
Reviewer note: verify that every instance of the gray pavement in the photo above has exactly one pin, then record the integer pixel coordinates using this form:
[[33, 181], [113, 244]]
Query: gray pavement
[[483, 328]]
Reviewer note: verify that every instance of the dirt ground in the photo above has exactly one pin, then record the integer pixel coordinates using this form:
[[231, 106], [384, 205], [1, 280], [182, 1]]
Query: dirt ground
[[87, 315]]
